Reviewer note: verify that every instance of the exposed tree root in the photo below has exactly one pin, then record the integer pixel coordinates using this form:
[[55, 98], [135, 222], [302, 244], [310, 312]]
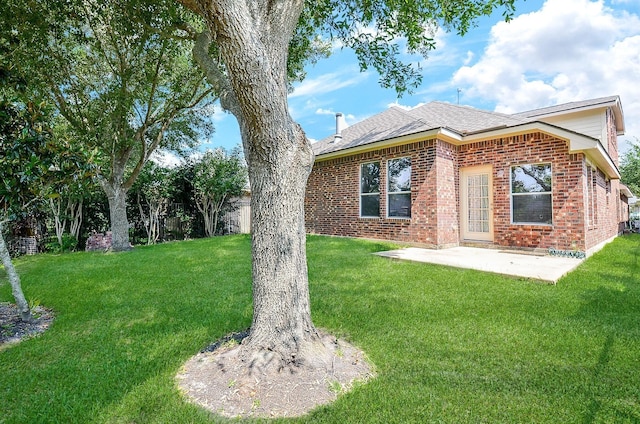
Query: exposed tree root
[[223, 381]]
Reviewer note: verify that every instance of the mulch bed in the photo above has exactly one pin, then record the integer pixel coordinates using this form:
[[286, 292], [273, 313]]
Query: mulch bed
[[14, 330]]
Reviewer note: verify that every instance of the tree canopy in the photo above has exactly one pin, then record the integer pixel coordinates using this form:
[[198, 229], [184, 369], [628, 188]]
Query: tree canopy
[[120, 72], [218, 176], [630, 168]]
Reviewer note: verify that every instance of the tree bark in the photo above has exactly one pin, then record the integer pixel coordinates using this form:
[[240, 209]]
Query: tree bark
[[14, 279], [75, 214], [253, 39], [117, 197], [59, 222], [281, 309], [204, 206]]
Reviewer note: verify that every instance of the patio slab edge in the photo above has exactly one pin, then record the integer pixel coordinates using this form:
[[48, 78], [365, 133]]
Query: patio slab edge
[[543, 268]]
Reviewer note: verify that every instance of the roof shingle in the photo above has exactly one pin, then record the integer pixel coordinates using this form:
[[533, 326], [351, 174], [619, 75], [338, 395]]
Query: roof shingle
[[397, 122]]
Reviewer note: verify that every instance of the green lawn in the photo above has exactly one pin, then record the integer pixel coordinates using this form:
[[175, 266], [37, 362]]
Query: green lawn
[[449, 345]]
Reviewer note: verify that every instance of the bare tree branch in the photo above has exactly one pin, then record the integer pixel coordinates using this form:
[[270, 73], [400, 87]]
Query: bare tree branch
[[212, 68]]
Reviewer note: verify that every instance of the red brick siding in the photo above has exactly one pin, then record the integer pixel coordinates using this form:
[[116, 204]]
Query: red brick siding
[[606, 225], [623, 207], [332, 204], [332, 201], [447, 195], [567, 230]]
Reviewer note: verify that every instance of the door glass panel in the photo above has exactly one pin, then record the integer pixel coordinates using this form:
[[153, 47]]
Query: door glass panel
[[478, 203]]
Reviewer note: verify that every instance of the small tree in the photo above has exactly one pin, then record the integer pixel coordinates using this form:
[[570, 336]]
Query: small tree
[[218, 176], [74, 171], [24, 135], [153, 191]]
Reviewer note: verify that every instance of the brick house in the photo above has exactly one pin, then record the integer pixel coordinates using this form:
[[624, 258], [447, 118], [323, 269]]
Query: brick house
[[442, 175]]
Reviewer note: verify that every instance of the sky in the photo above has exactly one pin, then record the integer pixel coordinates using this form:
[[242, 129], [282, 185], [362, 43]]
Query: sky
[[551, 52]]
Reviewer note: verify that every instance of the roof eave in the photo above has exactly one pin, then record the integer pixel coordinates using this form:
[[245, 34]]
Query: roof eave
[[381, 144], [578, 143], [600, 156], [625, 190], [615, 104], [619, 114]]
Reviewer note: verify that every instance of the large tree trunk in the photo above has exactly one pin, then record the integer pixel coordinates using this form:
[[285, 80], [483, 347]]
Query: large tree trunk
[[14, 279], [117, 197], [253, 38], [281, 310]]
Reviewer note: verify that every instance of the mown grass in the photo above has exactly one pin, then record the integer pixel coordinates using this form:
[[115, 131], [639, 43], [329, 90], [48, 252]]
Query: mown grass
[[449, 345]]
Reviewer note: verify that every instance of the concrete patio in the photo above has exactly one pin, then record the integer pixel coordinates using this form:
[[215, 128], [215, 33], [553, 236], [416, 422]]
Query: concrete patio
[[544, 268]]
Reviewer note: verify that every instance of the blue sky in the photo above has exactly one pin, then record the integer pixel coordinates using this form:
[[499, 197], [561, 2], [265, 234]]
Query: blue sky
[[553, 51]]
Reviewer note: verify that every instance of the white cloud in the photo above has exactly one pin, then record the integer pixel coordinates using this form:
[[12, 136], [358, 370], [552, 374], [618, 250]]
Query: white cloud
[[217, 113], [321, 111], [469, 58], [569, 50], [347, 116], [329, 82], [166, 159]]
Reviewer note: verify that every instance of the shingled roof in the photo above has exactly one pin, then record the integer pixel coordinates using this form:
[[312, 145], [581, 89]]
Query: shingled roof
[[463, 119], [397, 122], [391, 123]]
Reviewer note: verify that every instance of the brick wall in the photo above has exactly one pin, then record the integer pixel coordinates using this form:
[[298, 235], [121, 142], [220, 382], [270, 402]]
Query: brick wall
[[332, 201], [98, 241], [447, 195], [607, 201], [567, 231], [332, 204]]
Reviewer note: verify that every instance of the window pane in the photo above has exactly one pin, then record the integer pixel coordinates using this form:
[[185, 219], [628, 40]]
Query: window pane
[[531, 178], [532, 208], [400, 205], [399, 175], [370, 205], [370, 178]]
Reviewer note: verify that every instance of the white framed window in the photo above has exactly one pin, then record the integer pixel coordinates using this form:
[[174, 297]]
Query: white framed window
[[531, 194], [370, 190], [399, 188]]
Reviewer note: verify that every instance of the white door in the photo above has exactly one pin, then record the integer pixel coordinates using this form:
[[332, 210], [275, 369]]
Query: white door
[[476, 202]]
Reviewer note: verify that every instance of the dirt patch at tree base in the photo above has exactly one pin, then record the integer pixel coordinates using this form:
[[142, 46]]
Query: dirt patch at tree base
[[13, 329], [221, 382]]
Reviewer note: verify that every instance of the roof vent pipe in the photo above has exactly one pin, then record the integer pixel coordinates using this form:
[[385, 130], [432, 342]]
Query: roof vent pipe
[[340, 125]]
